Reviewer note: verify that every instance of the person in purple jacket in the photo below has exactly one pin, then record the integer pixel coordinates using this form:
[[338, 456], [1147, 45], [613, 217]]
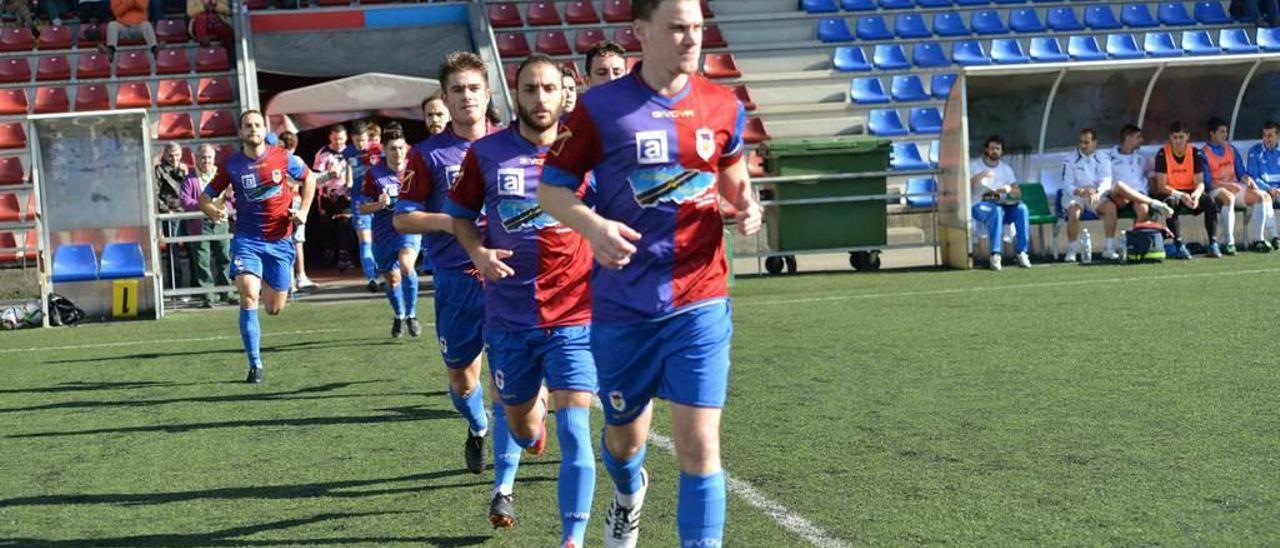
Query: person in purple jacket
[[210, 261]]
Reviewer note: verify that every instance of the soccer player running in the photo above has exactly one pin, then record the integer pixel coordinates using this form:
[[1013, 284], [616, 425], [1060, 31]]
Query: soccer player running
[[395, 253], [1180, 181], [1232, 185], [663, 142], [365, 155], [459, 302], [262, 248], [537, 304], [1264, 168]]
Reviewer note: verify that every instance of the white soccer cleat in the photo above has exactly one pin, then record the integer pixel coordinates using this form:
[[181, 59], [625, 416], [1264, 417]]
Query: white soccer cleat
[[622, 523], [1070, 257], [305, 283], [996, 262], [1161, 208], [1024, 260], [1110, 255]]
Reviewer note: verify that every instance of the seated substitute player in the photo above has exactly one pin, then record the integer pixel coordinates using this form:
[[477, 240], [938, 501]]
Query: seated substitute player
[[1264, 167], [605, 63], [459, 302], [665, 145], [1180, 181], [1232, 186], [395, 253], [1130, 173], [262, 249], [537, 303], [1086, 186], [996, 188]]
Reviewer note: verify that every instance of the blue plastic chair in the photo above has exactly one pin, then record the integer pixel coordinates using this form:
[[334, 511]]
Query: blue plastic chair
[[969, 53], [1046, 49], [889, 57], [1084, 48], [1160, 44], [1236, 41], [1025, 20], [1269, 39], [911, 25], [935, 149], [1123, 46], [925, 120], [949, 23], [74, 263], [850, 59], [834, 29], [868, 91], [907, 88], [1063, 20], [885, 123], [1007, 51], [987, 22], [122, 260], [896, 4], [1137, 16], [1174, 14], [906, 157], [972, 2], [928, 55], [1211, 13], [1198, 42], [873, 27], [1100, 18], [920, 185], [940, 85], [819, 6], [858, 5], [934, 3], [1011, 1]]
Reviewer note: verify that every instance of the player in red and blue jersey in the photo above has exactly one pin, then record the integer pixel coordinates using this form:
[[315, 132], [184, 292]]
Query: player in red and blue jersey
[[262, 249], [665, 146], [363, 155], [537, 301], [395, 253], [459, 300]]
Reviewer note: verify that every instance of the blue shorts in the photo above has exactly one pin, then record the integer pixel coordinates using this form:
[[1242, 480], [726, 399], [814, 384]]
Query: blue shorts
[[459, 300], [682, 359], [361, 221], [520, 360], [269, 260], [386, 251]]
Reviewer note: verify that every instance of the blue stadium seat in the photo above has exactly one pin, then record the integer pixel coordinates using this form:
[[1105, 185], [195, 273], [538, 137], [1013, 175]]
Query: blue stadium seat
[[1025, 20], [921, 185], [906, 157], [1100, 18], [896, 4], [74, 263], [1211, 13], [1160, 44], [933, 3], [969, 53], [949, 23], [907, 88], [819, 6], [1011, 1], [911, 25], [928, 55], [940, 85], [834, 29], [868, 91], [1123, 46], [885, 123], [889, 57], [1236, 41], [858, 5], [972, 2], [926, 120], [873, 27], [1007, 51], [1084, 48], [1174, 14], [1063, 20], [1269, 38], [122, 260], [987, 22], [850, 59], [935, 149], [1137, 16], [1046, 49], [1198, 42]]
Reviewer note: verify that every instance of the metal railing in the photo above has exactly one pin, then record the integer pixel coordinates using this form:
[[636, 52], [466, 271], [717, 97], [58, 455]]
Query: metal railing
[[172, 222]]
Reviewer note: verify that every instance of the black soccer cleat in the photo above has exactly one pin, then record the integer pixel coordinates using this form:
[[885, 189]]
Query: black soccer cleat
[[474, 453], [414, 328], [255, 376], [502, 511], [372, 286], [397, 328]]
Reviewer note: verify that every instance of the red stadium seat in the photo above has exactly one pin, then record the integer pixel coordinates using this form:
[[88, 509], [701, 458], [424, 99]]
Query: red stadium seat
[[740, 91], [225, 151], [720, 65], [53, 67], [176, 125], [9, 241], [10, 212], [93, 65], [755, 132], [755, 164], [212, 60], [171, 31], [213, 91], [173, 93], [503, 16], [92, 97], [553, 42], [706, 10], [712, 38], [256, 4], [133, 95], [173, 61], [512, 45], [542, 14], [11, 171], [632, 62], [12, 136], [617, 11], [58, 37], [83, 40], [510, 70], [133, 63], [217, 123], [51, 100], [13, 101], [333, 2], [581, 13], [626, 38], [15, 69], [584, 39], [16, 39]]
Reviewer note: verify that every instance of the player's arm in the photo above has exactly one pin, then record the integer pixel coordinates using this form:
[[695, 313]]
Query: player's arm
[[411, 214], [299, 172], [211, 202], [735, 187], [1197, 175], [376, 199], [463, 206], [1104, 176]]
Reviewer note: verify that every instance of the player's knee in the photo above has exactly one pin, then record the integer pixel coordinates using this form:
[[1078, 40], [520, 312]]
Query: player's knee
[[274, 309]]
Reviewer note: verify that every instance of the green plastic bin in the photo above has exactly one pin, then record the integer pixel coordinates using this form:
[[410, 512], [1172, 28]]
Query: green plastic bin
[[834, 225]]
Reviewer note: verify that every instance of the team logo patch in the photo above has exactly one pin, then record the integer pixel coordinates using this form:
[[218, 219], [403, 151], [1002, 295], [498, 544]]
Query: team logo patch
[[705, 143], [277, 176], [669, 184], [521, 214], [510, 181], [444, 346], [451, 174], [499, 380], [651, 147], [248, 181], [616, 400]]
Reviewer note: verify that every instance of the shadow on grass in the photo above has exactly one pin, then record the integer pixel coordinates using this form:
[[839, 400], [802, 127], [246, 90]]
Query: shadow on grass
[[231, 536], [308, 393], [77, 386], [286, 347]]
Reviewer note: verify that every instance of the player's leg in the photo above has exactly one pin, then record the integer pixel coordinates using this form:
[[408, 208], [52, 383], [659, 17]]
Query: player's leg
[[1074, 208], [1225, 199], [364, 239], [571, 375], [277, 275], [247, 272], [459, 306], [408, 258], [387, 254], [1259, 205], [1020, 216], [991, 215], [1208, 208], [1106, 209], [511, 374]]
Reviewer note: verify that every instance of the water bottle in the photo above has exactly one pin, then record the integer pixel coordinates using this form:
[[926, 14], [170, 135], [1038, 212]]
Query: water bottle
[[1086, 254], [1124, 246]]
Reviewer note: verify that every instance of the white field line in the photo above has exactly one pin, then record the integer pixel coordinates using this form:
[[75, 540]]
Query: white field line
[[165, 341]]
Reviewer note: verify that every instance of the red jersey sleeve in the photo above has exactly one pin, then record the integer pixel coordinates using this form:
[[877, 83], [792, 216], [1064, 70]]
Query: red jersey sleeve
[[417, 186], [219, 183], [576, 151], [369, 187], [469, 192]]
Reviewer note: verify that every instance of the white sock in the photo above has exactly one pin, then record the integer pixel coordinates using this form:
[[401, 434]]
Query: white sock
[[1258, 222], [1271, 218], [1071, 246], [1109, 244]]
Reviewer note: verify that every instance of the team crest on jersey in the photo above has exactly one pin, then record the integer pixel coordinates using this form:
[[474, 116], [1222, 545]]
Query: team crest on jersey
[[510, 181], [499, 380], [651, 147], [452, 174], [249, 181], [277, 176], [616, 400], [672, 184], [521, 214], [705, 143]]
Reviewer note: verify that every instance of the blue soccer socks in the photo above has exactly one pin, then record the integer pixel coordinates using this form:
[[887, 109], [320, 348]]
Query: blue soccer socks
[[409, 291], [700, 510], [627, 476], [367, 263], [397, 300], [577, 471], [506, 454], [472, 409], [251, 335]]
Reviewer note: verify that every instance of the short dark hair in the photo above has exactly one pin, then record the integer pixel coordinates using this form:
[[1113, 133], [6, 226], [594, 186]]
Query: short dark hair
[[601, 49], [462, 61], [537, 59], [1178, 127], [392, 134], [390, 127], [252, 111], [1214, 123], [1092, 134], [1127, 130], [360, 127], [993, 139], [433, 97], [337, 128], [642, 10], [289, 139], [1270, 125]]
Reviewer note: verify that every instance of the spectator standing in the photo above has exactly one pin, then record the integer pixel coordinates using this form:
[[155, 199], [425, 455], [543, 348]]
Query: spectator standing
[[570, 87], [131, 17], [169, 176], [210, 260], [210, 20]]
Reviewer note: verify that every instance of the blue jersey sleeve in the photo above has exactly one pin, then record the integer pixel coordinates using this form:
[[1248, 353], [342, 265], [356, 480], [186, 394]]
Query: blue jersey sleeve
[[297, 170], [1254, 166], [1240, 171], [453, 209]]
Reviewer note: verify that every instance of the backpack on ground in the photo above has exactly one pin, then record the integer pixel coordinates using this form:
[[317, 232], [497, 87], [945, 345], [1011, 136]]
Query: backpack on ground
[[1145, 242], [63, 312]]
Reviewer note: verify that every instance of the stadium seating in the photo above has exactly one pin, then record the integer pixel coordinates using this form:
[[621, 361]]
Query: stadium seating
[[820, 6], [16, 39], [907, 88], [53, 67], [1025, 21], [744, 97], [173, 61], [925, 120], [51, 100], [176, 125], [885, 123], [895, 4], [906, 157], [1198, 42], [504, 16], [969, 53], [889, 57], [212, 59], [868, 91], [1269, 39], [212, 91], [1123, 46], [1211, 13], [931, 3], [1084, 48], [133, 63], [11, 171], [987, 22], [617, 11], [55, 37], [1007, 51], [121, 260], [12, 136], [850, 59], [552, 42], [1063, 20], [1160, 44], [217, 123], [1174, 14], [911, 25], [949, 24], [513, 45], [920, 186], [74, 263], [133, 95], [91, 97], [171, 31], [720, 65], [82, 36], [540, 14], [581, 13], [1137, 16], [858, 5], [755, 133], [712, 37], [834, 30], [626, 38], [928, 55], [584, 39], [1236, 41], [509, 71], [1046, 49], [14, 101], [873, 27], [93, 65], [27, 251], [940, 85], [1100, 17], [15, 69]]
